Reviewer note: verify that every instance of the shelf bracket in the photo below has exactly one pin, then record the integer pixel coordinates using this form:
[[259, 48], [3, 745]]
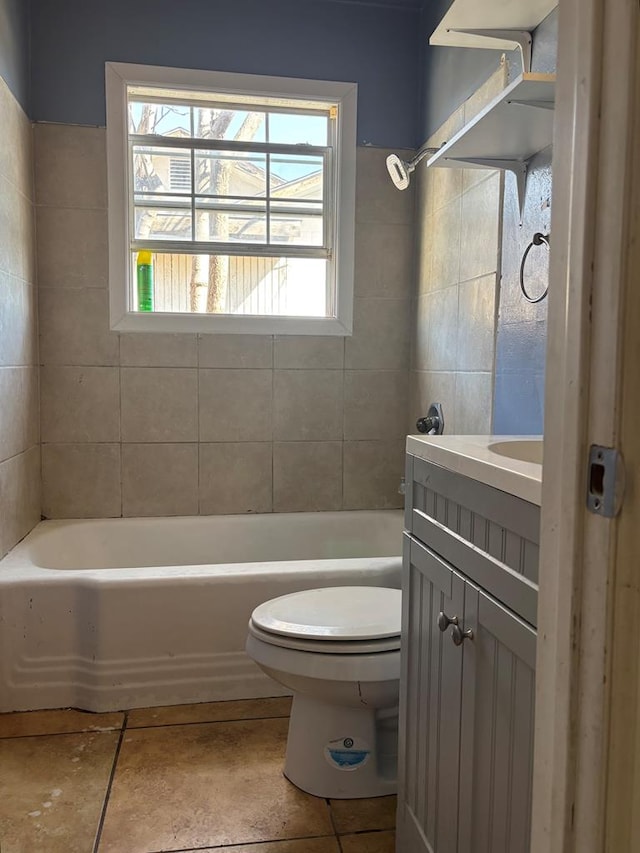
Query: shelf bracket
[[522, 38], [516, 167]]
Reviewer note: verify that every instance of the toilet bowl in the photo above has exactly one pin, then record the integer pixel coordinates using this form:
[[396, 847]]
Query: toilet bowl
[[338, 650]]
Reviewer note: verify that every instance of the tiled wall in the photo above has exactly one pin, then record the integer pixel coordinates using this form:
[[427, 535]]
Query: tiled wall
[[522, 326], [144, 424], [19, 453], [458, 228]]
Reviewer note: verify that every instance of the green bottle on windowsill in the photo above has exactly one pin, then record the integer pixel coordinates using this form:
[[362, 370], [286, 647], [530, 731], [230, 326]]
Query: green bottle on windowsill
[[144, 273]]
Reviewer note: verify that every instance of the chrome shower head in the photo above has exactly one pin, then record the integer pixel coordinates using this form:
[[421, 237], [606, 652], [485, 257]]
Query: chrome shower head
[[400, 170]]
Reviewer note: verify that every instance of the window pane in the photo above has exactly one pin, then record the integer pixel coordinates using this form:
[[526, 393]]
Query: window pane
[[161, 170], [247, 285], [296, 229], [160, 119], [229, 124], [247, 223], [162, 223], [295, 176], [298, 129], [231, 173]]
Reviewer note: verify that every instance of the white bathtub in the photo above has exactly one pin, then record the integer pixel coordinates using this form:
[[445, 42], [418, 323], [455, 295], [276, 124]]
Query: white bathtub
[[122, 613]]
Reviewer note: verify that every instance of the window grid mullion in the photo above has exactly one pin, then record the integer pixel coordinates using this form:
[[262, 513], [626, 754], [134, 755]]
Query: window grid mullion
[[149, 141], [268, 177]]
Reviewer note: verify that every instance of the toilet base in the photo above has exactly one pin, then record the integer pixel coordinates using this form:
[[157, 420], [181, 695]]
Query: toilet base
[[341, 752]]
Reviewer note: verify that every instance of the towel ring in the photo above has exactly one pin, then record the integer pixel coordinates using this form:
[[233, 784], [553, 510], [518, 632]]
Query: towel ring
[[538, 239]]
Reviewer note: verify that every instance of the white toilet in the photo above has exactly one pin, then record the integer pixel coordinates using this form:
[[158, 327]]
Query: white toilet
[[338, 650]]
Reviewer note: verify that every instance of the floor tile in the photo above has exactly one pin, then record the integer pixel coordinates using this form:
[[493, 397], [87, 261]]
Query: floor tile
[[210, 712], [205, 785], [301, 845], [57, 722], [362, 815], [369, 842], [52, 790]]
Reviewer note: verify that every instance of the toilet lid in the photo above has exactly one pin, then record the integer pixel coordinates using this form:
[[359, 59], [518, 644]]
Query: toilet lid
[[334, 613]]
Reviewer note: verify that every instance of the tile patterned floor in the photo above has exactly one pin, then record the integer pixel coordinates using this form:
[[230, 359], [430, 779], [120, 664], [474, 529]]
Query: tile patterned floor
[[202, 777]]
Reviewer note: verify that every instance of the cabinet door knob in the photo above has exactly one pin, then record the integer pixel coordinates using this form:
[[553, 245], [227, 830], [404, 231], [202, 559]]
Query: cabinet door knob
[[459, 636], [444, 621]]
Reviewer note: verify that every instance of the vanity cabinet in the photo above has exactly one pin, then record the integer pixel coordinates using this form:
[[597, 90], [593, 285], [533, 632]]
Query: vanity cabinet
[[468, 665]]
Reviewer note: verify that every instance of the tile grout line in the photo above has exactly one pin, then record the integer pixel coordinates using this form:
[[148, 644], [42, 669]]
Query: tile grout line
[[107, 794], [333, 824]]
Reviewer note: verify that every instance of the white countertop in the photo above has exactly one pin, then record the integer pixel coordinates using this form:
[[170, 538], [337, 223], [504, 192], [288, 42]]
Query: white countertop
[[471, 456]]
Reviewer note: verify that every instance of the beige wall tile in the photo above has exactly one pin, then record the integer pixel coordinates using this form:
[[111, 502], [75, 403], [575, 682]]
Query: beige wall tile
[[372, 473], [19, 497], [485, 93], [375, 404], [476, 324], [235, 351], [428, 387], [377, 199], [474, 403], [81, 480], [72, 247], [74, 328], [424, 237], [307, 476], [384, 260], [17, 232], [480, 230], [446, 186], [307, 405], [159, 404], [444, 235], [18, 410], [235, 478], [18, 321], [441, 312], [70, 165], [80, 404], [235, 405], [381, 332], [16, 155], [158, 350], [308, 351], [447, 129], [159, 479]]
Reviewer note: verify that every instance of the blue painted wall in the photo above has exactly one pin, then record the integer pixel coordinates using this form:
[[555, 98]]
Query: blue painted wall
[[14, 48], [376, 45]]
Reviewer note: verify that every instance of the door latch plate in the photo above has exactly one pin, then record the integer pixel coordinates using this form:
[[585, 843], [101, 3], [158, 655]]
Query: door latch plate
[[605, 481]]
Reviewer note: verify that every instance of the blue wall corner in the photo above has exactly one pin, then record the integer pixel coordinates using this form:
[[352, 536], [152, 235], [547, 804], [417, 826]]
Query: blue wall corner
[[14, 48]]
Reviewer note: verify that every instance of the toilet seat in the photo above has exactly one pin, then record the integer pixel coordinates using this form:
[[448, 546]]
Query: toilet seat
[[337, 620], [329, 647]]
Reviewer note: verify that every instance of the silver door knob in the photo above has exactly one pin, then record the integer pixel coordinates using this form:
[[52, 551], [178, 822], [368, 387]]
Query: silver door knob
[[444, 621], [459, 636]]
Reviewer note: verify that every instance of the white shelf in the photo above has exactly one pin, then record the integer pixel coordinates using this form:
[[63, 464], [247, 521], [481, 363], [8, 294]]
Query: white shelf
[[488, 15], [507, 132]]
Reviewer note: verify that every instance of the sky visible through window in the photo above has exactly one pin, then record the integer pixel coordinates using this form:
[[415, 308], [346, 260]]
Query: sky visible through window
[[288, 129]]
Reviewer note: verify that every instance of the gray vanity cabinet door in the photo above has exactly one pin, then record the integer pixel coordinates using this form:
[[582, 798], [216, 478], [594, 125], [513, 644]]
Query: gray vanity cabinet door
[[431, 690], [496, 745]]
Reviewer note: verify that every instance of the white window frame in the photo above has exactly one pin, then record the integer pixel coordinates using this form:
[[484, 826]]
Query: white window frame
[[118, 76]]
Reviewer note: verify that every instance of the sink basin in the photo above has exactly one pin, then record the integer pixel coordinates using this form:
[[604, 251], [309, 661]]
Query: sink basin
[[526, 450]]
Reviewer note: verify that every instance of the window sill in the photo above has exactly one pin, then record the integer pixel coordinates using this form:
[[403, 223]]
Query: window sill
[[228, 324]]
